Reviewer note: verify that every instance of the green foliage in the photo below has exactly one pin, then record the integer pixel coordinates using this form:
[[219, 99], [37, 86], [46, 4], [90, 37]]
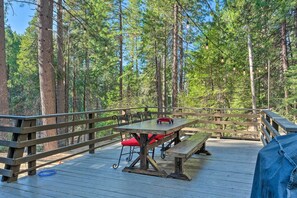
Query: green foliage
[[23, 79], [91, 50]]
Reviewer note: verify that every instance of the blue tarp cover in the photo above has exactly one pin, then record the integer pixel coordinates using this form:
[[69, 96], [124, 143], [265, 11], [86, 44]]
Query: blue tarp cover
[[276, 170]]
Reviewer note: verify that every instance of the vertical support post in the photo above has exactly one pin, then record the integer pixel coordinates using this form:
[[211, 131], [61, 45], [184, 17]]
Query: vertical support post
[[32, 149], [145, 113], [179, 166], [143, 151], [177, 139], [91, 135], [219, 126], [269, 120], [14, 153]]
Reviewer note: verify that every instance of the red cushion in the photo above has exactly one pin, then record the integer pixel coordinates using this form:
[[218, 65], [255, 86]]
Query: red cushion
[[159, 137], [164, 119], [133, 142], [130, 142]]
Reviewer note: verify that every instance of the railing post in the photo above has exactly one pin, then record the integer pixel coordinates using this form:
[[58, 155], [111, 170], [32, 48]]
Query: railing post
[[32, 149], [219, 126], [91, 135], [145, 113], [14, 153], [275, 126], [268, 120]]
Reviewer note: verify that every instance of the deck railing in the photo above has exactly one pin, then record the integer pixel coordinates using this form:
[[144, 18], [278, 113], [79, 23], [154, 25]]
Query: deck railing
[[273, 125], [221, 122], [86, 131]]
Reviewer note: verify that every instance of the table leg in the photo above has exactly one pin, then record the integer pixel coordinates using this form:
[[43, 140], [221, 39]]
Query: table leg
[[143, 151], [177, 139], [179, 172], [144, 160]]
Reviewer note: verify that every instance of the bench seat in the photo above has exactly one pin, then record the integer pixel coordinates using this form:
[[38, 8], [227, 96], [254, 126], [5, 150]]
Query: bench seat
[[184, 150]]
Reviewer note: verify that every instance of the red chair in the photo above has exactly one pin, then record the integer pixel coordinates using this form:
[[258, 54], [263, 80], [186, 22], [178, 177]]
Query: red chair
[[128, 141], [164, 120]]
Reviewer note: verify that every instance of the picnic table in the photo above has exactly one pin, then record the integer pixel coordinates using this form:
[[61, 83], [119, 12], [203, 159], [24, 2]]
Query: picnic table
[[140, 132]]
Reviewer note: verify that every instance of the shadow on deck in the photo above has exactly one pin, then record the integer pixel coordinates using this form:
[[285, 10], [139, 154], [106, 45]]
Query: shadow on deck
[[228, 172]]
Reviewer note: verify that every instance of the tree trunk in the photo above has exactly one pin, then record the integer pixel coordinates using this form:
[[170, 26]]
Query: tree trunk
[[74, 98], [164, 71], [268, 84], [4, 109], [251, 63], [61, 94], [67, 79], [121, 53], [295, 28], [158, 80], [181, 61], [87, 101], [175, 62], [45, 64], [284, 61]]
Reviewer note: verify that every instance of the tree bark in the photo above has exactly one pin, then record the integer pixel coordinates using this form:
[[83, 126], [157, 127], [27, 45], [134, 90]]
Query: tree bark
[[295, 28], [121, 53], [4, 109], [158, 80], [74, 98], [164, 71], [251, 63], [61, 94], [181, 61], [284, 61], [4, 105], [175, 62], [45, 64]]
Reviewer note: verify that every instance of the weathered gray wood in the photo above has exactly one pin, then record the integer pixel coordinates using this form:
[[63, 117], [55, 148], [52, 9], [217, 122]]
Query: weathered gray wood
[[15, 153], [5, 172], [64, 124], [250, 116], [278, 120], [66, 157], [60, 150], [189, 146], [185, 149], [151, 126], [270, 128], [32, 150], [62, 136], [143, 152], [91, 135], [226, 173], [8, 143], [232, 131], [10, 129], [228, 122]]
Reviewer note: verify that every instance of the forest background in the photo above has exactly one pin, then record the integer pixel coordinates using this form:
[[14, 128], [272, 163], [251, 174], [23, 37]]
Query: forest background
[[120, 53]]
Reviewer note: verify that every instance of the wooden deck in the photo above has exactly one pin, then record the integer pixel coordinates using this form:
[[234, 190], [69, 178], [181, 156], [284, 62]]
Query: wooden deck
[[228, 172]]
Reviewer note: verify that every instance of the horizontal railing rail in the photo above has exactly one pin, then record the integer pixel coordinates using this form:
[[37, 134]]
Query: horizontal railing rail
[[221, 122], [81, 132], [273, 125]]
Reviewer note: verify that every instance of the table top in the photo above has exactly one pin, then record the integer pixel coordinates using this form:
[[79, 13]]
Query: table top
[[151, 126]]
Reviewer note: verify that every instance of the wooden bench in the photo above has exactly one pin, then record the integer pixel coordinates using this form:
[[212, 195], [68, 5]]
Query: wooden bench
[[184, 150]]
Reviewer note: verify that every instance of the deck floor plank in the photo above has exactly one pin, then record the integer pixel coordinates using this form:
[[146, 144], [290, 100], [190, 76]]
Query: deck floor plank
[[228, 172]]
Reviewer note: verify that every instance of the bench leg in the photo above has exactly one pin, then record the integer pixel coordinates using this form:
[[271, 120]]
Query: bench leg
[[179, 170], [203, 150]]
